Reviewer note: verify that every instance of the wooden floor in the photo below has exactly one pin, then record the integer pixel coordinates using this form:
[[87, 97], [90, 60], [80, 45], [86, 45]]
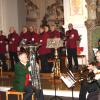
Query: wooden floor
[[47, 82]]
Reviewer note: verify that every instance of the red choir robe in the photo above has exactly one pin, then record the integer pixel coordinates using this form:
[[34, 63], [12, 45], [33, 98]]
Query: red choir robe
[[3, 42], [72, 42], [34, 38], [13, 39], [54, 34], [25, 36], [43, 40]]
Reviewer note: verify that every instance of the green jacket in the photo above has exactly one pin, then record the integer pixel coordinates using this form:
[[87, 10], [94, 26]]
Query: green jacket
[[98, 47], [20, 76]]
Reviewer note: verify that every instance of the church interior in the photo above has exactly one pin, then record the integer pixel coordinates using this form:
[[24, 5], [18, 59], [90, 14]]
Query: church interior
[[56, 81]]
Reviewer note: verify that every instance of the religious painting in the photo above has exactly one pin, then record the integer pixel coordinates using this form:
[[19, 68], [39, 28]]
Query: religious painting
[[76, 7]]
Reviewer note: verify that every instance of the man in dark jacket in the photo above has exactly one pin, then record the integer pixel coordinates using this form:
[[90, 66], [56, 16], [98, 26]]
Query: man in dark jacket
[[93, 82]]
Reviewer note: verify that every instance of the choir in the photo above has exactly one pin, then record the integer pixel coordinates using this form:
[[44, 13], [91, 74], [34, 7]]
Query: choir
[[14, 42]]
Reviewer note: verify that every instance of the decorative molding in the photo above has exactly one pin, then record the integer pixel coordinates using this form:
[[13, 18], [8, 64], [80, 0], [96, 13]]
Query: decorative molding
[[32, 10], [55, 11]]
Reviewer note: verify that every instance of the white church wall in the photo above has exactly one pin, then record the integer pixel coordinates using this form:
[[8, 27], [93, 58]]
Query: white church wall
[[12, 13], [77, 18], [1, 15], [21, 14], [9, 15]]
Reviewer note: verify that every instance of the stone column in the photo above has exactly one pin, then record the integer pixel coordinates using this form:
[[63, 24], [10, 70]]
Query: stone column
[[90, 25]]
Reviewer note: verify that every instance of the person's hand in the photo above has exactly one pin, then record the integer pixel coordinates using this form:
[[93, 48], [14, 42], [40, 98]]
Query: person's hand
[[72, 36]]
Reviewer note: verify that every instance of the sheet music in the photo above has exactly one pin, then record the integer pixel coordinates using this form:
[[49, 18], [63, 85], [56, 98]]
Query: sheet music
[[68, 81], [54, 43]]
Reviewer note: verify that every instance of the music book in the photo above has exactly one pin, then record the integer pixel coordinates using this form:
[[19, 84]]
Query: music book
[[69, 81], [54, 43]]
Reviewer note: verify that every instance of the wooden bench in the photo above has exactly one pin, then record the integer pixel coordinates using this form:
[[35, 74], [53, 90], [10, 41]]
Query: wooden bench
[[19, 94]]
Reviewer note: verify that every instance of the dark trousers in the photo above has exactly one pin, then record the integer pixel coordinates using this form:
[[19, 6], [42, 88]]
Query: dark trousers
[[87, 87], [3, 61], [13, 58], [28, 92], [44, 63], [72, 53], [39, 94]]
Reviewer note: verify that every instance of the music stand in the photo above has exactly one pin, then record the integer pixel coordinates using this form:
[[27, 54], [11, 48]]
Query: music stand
[[69, 81], [55, 43]]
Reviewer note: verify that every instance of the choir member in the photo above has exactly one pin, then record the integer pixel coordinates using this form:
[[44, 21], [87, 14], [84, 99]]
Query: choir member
[[13, 43], [24, 38], [43, 50], [3, 42], [54, 33], [71, 44], [33, 35], [25, 34]]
